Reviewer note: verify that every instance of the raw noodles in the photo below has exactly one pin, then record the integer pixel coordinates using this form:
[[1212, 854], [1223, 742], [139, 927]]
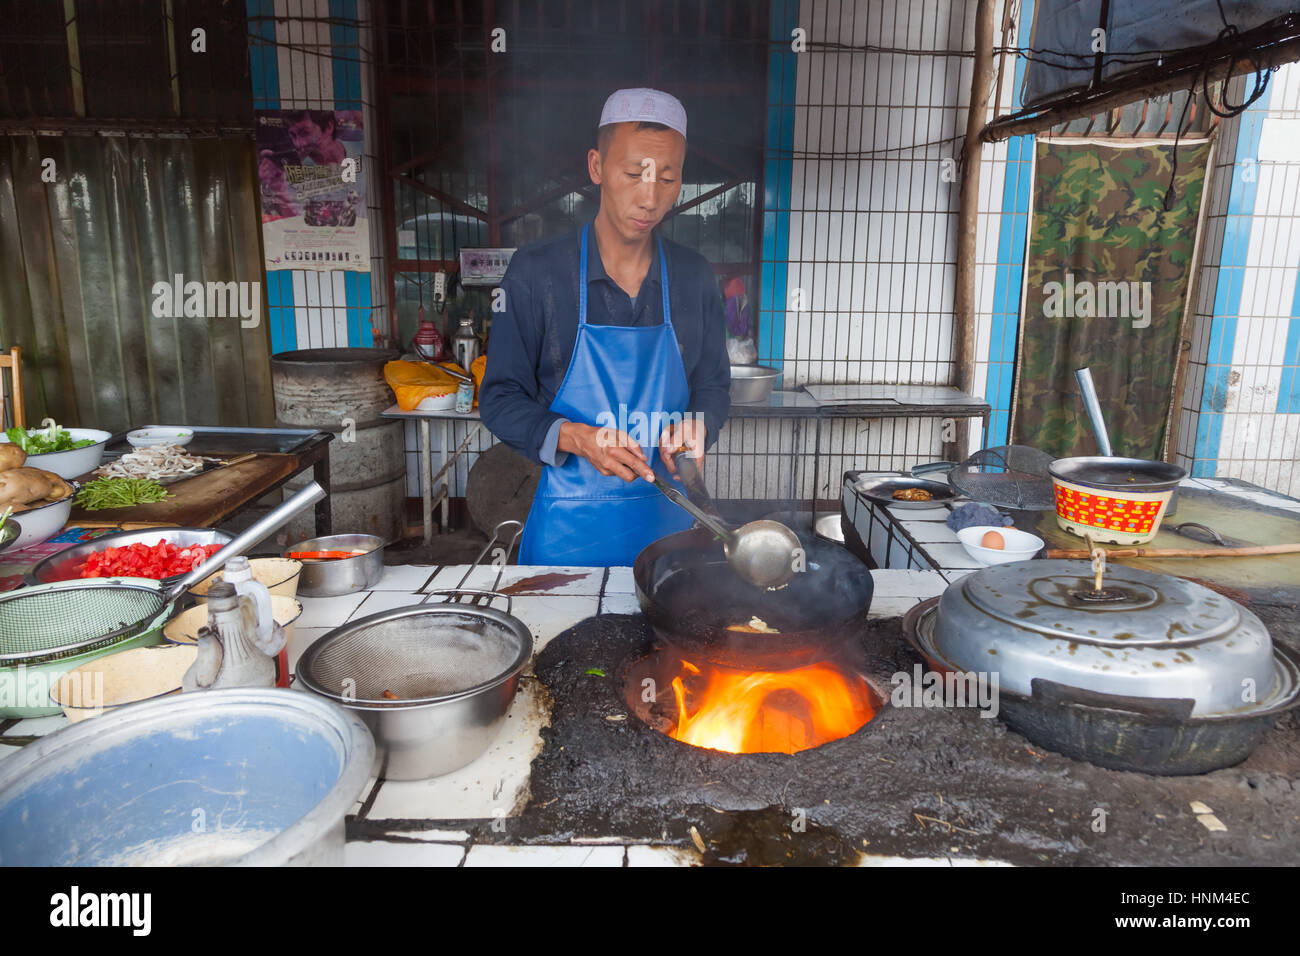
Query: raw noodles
[[156, 462]]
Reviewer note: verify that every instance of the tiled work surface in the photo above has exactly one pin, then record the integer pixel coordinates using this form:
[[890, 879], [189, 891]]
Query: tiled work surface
[[403, 819], [918, 538]]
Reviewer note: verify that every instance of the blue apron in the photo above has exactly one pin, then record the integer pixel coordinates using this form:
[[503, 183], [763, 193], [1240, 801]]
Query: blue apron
[[579, 517]]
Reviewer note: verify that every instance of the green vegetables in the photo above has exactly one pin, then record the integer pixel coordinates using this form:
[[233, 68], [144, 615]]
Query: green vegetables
[[119, 493], [51, 439]]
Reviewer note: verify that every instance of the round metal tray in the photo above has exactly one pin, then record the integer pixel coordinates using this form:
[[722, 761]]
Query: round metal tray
[[66, 564], [881, 489]]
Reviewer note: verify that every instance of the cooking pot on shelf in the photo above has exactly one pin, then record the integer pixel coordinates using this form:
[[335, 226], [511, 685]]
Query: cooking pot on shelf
[[1152, 673]]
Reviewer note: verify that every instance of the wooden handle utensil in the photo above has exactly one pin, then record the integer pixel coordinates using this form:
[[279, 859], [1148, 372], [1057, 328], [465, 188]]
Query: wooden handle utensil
[[1247, 552]]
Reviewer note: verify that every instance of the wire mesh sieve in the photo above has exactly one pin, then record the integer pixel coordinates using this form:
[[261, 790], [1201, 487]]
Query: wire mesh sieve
[[49, 623], [427, 653], [1008, 476]]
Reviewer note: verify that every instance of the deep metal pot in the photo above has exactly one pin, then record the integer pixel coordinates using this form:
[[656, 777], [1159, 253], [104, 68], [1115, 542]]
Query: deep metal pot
[[752, 384], [454, 669], [336, 576]]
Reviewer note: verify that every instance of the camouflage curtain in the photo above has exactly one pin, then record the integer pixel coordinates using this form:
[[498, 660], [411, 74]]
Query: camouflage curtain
[[1106, 281]]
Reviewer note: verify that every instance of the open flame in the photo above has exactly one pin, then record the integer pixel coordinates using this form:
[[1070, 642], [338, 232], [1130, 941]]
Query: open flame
[[747, 711]]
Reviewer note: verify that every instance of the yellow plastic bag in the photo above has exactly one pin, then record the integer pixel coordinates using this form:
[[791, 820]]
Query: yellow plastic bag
[[477, 368], [413, 382]]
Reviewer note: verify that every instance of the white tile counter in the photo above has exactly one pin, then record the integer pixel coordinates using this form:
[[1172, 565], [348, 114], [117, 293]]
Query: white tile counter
[[414, 817]]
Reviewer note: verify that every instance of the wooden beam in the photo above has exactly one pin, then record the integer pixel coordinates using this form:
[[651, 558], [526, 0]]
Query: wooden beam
[[968, 216]]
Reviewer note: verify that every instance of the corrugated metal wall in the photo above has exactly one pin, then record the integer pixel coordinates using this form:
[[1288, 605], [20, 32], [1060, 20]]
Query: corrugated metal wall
[[82, 255]]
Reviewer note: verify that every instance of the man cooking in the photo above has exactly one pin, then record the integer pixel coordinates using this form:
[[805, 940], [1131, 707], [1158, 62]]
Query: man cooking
[[610, 355]]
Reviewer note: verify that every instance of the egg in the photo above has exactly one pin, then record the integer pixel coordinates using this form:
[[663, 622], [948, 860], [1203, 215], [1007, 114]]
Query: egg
[[993, 540]]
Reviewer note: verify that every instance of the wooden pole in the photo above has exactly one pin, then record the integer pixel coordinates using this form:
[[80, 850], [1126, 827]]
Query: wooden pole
[[968, 214]]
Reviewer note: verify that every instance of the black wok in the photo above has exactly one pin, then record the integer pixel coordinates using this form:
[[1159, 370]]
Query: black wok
[[689, 595]]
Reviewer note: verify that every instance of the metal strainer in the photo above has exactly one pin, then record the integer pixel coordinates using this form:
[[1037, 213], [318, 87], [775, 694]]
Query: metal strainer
[[425, 653]]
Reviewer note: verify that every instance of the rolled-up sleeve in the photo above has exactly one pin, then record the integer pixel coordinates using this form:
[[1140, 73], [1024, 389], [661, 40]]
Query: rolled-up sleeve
[[711, 378], [508, 398]]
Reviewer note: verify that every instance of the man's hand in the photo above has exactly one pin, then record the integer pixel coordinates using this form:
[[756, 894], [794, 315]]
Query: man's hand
[[610, 451], [688, 434]]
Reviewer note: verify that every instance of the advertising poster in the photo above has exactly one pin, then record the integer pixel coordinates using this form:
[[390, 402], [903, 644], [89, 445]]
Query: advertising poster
[[313, 189]]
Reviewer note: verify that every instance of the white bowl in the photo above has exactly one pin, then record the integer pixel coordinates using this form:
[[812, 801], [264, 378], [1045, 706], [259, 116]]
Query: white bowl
[[160, 435], [41, 524], [438, 403], [77, 461], [1021, 545]]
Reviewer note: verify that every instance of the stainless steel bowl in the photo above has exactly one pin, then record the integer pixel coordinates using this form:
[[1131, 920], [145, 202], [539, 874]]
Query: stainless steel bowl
[[752, 384], [330, 577], [451, 670], [66, 564]]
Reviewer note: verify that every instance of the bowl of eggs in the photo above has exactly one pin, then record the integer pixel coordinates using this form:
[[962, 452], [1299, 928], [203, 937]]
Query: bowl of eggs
[[991, 545]]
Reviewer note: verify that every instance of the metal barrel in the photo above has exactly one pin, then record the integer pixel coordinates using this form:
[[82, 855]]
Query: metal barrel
[[343, 391]]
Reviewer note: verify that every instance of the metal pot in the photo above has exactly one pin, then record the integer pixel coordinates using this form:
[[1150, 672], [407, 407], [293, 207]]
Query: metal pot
[[752, 384], [1119, 500], [1153, 673], [274, 773], [432, 682], [690, 596], [332, 577]]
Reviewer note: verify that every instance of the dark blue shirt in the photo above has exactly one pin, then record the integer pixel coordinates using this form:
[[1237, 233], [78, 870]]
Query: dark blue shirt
[[532, 339]]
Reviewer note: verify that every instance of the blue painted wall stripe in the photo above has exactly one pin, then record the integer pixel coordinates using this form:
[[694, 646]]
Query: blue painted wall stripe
[[1227, 292], [778, 170], [263, 65], [344, 40], [1013, 227], [1288, 399]]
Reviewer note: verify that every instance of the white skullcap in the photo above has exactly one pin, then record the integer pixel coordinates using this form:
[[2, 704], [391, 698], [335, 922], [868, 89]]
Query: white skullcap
[[644, 106]]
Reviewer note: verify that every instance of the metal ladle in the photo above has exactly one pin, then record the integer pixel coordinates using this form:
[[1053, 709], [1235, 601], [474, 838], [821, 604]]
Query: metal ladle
[[764, 553]]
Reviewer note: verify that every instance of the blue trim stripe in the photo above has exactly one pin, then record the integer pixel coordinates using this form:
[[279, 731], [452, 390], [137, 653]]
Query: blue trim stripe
[[263, 63], [279, 298], [346, 45], [1288, 399], [778, 170], [1013, 226], [1227, 292]]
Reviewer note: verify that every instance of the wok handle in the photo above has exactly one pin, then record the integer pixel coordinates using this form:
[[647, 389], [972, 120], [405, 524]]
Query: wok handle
[[1090, 402], [688, 470], [695, 511], [1049, 693]]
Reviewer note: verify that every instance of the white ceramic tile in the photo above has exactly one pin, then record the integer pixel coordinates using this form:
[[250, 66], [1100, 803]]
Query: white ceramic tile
[[485, 855], [380, 853], [917, 514], [892, 606], [619, 604], [930, 531], [494, 785], [586, 580], [661, 856], [302, 638], [951, 556], [377, 601], [38, 726], [547, 616], [620, 581], [916, 584], [328, 612], [405, 577]]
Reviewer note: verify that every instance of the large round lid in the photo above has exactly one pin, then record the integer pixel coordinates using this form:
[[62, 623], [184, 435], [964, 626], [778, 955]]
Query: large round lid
[[1144, 635]]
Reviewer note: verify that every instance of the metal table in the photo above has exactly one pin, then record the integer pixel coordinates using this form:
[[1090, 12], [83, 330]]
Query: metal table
[[444, 417]]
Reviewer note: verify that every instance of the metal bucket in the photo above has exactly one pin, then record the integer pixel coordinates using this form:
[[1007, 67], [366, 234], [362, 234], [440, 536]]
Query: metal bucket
[[343, 391], [255, 777]]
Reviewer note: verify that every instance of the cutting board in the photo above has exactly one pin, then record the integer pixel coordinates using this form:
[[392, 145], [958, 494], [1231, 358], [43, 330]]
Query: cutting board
[[198, 502], [1241, 521]]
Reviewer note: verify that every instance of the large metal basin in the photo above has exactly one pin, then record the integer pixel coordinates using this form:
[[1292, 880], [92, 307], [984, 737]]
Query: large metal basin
[[256, 777]]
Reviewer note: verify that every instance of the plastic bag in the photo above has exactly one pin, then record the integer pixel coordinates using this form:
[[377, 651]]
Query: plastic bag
[[413, 382]]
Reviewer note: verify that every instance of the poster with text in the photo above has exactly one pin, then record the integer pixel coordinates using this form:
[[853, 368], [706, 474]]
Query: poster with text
[[309, 167]]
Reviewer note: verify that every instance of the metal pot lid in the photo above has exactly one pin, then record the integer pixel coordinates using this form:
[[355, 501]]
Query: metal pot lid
[[1150, 636]]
